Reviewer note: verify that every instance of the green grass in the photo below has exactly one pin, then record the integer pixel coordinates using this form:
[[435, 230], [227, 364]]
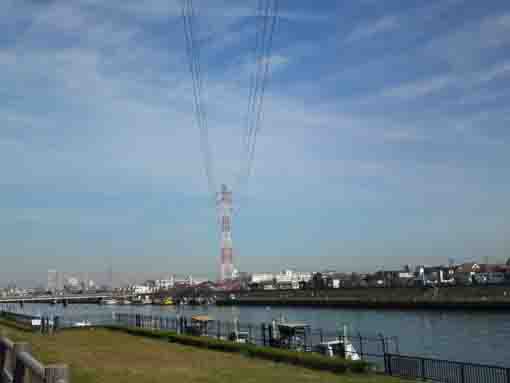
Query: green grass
[[100, 355], [309, 360]]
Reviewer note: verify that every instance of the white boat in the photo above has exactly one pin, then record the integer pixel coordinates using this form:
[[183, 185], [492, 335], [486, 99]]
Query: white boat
[[110, 302], [84, 323], [336, 348], [339, 347], [239, 337], [350, 351]]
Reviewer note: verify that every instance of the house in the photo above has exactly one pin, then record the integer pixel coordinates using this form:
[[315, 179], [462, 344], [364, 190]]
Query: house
[[141, 289], [375, 280], [261, 277], [491, 274], [293, 276], [464, 274], [338, 280], [287, 285], [267, 285], [481, 273], [435, 275], [391, 278]]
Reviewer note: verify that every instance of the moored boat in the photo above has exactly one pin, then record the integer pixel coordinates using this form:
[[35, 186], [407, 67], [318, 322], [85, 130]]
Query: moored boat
[[83, 323], [342, 347], [109, 301], [168, 301]]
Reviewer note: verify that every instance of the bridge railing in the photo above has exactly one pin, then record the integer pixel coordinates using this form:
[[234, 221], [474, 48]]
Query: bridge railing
[[17, 365]]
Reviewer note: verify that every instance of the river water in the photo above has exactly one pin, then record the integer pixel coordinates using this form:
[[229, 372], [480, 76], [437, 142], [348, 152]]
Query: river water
[[463, 336]]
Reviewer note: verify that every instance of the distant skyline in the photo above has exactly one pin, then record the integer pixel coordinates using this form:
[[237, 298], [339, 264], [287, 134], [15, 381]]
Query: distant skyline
[[384, 138]]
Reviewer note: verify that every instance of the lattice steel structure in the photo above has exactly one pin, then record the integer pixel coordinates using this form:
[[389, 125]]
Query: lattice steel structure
[[225, 213]]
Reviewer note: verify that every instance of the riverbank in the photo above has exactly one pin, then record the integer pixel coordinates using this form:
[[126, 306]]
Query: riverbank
[[100, 355], [483, 298]]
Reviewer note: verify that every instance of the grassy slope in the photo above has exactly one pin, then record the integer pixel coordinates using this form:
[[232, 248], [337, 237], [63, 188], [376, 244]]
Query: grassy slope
[[105, 356]]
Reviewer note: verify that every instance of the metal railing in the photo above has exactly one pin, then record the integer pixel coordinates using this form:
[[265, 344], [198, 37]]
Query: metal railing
[[445, 371], [17, 365], [368, 348], [21, 318], [43, 324]]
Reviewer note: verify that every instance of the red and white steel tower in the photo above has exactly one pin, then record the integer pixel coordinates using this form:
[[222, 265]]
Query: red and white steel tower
[[225, 212]]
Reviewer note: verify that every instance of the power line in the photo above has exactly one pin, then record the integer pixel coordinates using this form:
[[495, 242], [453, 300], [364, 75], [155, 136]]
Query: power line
[[267, 59], [245, 136], [267, 15], [193, 53]]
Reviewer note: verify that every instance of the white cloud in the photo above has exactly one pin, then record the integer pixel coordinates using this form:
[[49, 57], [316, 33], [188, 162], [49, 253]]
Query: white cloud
[[134, 127], [7, 58], [368, 30], [60, 17], [418, 88], [101, 103], [153, 10], [496, 71], [465, 48]]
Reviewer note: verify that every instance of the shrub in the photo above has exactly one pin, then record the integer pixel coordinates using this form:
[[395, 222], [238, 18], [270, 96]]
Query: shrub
[[359, 366], [308, 360]]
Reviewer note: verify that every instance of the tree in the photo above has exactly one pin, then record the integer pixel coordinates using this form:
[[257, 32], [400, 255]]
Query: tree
[[508, 262]]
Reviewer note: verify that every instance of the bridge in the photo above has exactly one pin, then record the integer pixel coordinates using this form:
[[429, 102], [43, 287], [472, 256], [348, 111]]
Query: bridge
[[69, 298]]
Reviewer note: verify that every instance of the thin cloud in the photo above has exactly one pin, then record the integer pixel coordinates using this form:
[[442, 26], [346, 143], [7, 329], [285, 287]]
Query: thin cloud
[[369, 30], [499, 70], [418, 88], [113, 88], [465, 48]]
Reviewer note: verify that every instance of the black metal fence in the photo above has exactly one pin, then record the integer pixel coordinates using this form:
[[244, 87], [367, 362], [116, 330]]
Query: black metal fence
[[383, 352], [445, 371], [43, 324], [369, 348]]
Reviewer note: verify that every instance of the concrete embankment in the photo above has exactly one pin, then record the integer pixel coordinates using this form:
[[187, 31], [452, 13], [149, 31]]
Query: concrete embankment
[[453, 298]]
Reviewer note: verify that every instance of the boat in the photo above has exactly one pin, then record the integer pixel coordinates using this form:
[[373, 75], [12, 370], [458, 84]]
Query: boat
[[349, 350], [341, 347], [109, 301], [136, 302], [199, 325], [168, 301], [147, 301], [337, 348], [83, 323], [239, 337], [141, 301], [291, 335]]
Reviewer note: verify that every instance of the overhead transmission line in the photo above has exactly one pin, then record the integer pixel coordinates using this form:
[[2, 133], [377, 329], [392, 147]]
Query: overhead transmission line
[[266, 16], [193, 53], [266, 23]]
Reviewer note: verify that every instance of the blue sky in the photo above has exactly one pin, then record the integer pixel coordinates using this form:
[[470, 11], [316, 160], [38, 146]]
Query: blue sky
[[384, 138]]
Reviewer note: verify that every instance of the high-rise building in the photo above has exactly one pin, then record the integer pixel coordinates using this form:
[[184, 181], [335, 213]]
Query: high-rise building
[[225, 212], [60, 281], [52, 280], [109, 276]]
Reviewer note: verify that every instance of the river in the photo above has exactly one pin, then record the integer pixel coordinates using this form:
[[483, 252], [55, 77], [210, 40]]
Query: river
[[463, 336]]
